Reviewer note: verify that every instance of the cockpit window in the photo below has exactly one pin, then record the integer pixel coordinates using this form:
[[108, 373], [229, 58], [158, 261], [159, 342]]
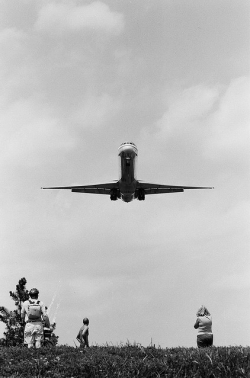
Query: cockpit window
[[132, 144]]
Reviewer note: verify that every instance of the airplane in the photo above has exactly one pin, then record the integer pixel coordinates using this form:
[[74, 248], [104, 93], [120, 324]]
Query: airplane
[[127, 187]]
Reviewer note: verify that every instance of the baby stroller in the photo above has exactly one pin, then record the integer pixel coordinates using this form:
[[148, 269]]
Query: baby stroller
[[47, 337]]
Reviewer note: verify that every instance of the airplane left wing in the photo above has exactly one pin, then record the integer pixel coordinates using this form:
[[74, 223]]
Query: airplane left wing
[[160, 189], [95, 189]]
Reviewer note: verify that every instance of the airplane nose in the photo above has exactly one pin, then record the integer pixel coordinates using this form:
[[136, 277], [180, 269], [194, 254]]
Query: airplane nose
[[127, 151]]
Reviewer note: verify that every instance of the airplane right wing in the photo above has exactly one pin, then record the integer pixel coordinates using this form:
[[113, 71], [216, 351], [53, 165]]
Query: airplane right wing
[[161, 189], [94, 189]]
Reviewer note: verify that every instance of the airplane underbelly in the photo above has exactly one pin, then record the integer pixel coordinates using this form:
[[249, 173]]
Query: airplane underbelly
[[127, 189], [127, 198]]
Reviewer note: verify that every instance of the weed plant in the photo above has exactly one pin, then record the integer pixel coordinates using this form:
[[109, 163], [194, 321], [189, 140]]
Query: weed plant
[[124, 361]]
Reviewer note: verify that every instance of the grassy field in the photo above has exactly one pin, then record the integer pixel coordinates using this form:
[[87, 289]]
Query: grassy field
[[125, 361]]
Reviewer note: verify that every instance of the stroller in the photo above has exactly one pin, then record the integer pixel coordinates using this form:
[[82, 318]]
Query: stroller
[[47, 342]]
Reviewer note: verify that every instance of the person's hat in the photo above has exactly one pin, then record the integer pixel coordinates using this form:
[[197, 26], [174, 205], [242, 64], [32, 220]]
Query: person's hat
[[33, 291]]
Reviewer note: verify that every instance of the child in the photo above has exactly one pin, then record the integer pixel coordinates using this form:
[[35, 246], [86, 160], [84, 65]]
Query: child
[[83, 334]]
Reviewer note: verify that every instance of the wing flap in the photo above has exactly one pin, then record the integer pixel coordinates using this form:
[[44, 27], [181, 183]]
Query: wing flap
[[93, 189], [162, 191], [150, 188]]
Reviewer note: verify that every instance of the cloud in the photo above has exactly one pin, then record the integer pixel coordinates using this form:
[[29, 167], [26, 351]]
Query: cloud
[[187, 110], [89, 287], [220, 113], [96, 111], [11, 37], [229, 124], [234, 281], [96, 16], [14, 67], [209, 125], [31, 134]]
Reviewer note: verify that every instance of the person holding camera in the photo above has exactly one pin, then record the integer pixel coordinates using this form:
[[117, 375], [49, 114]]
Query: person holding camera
[[204, 325]]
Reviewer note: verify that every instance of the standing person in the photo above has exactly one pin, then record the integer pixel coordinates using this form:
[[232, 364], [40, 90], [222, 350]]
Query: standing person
[[32, 312], [83, 334], [204, 325]]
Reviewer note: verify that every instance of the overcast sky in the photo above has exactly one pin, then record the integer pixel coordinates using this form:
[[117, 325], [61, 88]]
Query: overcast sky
[[78, 78]]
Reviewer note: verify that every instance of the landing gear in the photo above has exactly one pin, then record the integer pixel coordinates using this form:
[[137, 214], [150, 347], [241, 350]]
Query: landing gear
[[141, 195], [114, 194]]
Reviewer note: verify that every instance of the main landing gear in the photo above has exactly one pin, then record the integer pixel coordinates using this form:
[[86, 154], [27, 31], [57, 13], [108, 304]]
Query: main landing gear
[[114, 194], [141, 195]]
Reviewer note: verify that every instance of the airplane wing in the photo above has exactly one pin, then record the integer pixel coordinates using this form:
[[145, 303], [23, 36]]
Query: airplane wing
[[160, 189], [95, 189]]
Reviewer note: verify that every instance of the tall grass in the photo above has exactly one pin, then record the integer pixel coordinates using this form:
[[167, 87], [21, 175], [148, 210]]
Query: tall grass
[[125, 361]]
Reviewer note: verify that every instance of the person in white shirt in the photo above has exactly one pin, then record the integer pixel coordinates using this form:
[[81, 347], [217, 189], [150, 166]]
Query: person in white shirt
[[32, 313], [204, 325]]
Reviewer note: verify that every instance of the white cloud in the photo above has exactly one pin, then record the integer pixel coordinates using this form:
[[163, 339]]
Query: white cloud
[[58, 17], [96, 111], [89, 287], [187, 110], [29, 133], [11, 44], [230, 124], [222, 115], [206, 124], [13, 64], [234, 281]]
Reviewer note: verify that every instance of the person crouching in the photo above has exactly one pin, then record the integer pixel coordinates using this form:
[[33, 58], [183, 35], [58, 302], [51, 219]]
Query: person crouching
[[32, 312]]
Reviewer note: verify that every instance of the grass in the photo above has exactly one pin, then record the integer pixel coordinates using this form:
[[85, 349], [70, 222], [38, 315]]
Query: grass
[[125, 361]]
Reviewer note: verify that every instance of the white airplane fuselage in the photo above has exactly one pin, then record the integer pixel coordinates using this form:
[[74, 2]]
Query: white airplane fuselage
[[127, 183]]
